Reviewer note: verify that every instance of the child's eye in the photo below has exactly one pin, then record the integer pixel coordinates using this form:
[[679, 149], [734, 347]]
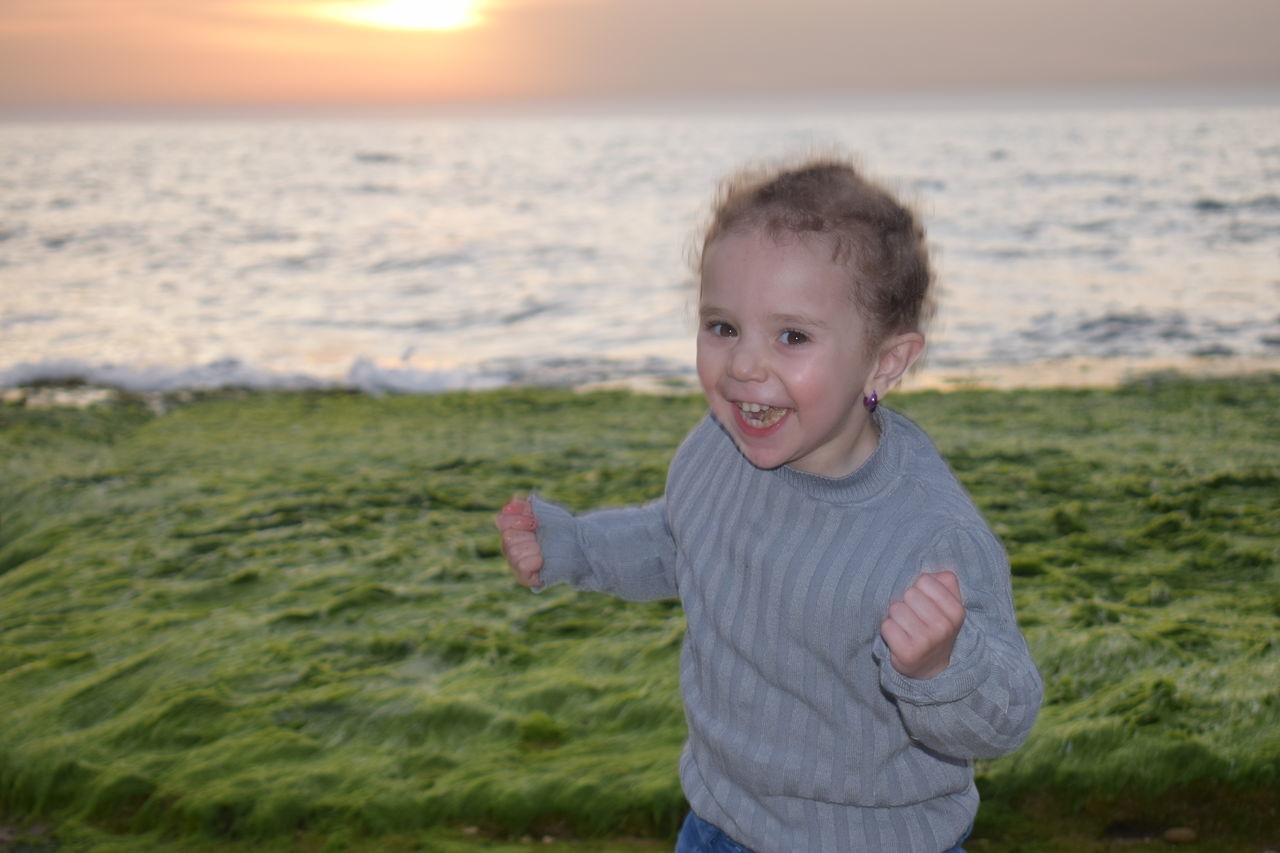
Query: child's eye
[[721, 330], [791, 337]]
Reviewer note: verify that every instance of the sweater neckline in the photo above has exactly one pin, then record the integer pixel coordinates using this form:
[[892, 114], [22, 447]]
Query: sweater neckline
[[879, 471]]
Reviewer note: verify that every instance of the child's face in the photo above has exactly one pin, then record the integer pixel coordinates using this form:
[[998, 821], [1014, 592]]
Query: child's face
[[782, 353]]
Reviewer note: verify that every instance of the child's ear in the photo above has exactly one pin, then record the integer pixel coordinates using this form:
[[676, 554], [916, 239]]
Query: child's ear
[[897, 354]]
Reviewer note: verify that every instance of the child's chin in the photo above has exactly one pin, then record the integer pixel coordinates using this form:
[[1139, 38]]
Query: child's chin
[[764, 461]]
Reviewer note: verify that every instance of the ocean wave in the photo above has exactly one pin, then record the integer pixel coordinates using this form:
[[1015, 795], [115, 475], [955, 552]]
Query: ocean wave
[[446, 319], [433, 261], [364, 375], [377, 189], [376, 157], [1127, 334], [12, 320], [224, 373], [1044, 180], [1259, 204], [1250, 232], [372, 377]]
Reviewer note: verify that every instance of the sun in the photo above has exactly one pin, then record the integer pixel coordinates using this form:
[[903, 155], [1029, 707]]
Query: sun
[[406, 14]]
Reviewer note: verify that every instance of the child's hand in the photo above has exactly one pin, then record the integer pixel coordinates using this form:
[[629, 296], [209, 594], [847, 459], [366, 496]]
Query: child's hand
[[921, 629], [520, 545]]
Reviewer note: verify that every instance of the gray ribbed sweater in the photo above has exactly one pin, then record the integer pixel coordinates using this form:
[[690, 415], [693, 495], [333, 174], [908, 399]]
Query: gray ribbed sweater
[[802, 736]]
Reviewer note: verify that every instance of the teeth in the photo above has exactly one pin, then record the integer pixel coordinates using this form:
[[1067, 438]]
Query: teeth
[[760, 415]]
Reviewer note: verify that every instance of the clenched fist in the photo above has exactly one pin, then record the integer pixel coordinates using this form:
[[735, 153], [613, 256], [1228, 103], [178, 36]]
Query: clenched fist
[[922, 627], [517, 525]]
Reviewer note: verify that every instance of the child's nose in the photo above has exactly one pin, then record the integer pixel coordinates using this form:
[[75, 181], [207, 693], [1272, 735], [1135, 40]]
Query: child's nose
[[747, 363]]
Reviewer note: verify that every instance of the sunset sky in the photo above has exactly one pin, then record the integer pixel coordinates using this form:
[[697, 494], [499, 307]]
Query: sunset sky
[[102, 54]]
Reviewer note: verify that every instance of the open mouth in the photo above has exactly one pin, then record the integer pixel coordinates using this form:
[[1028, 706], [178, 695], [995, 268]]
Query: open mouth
[[760, 416]]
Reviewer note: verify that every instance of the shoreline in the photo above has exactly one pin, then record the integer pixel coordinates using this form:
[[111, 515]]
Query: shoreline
[[1079, 372], [1075, 372]]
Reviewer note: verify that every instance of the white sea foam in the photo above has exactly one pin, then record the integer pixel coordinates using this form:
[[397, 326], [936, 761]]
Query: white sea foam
[[364, 376], [370, 378], [215, 375]]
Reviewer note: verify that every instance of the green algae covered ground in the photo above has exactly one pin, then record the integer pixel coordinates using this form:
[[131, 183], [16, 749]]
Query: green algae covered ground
[[281, 621]]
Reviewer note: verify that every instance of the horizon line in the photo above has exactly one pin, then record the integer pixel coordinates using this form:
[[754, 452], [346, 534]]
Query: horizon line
[[1042, 97]]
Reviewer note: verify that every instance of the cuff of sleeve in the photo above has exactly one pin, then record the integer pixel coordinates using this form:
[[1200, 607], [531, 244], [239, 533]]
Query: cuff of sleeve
[[558, 538], [967, 670]]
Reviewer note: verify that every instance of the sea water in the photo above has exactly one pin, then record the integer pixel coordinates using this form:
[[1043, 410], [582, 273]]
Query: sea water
[[471, 251]]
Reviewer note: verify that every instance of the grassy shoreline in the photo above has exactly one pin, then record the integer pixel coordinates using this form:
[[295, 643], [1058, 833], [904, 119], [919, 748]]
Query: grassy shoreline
[[258, 615]]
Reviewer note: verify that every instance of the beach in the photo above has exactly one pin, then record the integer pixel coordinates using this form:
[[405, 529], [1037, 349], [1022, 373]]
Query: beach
[[1060, 373], [1083, 372]]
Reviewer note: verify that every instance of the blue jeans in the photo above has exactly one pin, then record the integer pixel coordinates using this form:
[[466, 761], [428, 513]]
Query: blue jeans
[[698, 836]]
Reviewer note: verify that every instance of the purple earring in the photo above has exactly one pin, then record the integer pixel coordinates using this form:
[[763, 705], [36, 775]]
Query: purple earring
[[872, 401]]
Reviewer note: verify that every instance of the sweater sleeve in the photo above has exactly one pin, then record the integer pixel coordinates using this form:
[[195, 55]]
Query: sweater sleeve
[[628, 552], [986, 700]]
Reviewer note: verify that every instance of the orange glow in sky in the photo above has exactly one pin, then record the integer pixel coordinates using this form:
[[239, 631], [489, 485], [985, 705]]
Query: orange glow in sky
[[405, 14], [90, 53]]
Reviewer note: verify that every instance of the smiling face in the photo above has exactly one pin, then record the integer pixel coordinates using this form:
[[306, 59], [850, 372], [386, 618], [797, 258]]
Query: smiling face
[[784, 355]]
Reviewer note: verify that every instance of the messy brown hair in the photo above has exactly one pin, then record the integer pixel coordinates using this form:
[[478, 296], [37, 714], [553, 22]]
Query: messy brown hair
[[877, 238]]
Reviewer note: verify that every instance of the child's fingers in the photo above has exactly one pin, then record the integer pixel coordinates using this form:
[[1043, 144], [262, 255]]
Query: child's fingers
[[527, 565], [920, 628], [521, 548], [924, 605], [517, 543], [510, 522], [935, 602], [916, 648], [948, 580], [516, 523], [516, 506], [894, 636], [906, 636], [525, 559], [913, 632], [905, 617]]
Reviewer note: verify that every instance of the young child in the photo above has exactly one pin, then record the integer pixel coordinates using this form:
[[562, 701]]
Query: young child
[[851, 645]]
